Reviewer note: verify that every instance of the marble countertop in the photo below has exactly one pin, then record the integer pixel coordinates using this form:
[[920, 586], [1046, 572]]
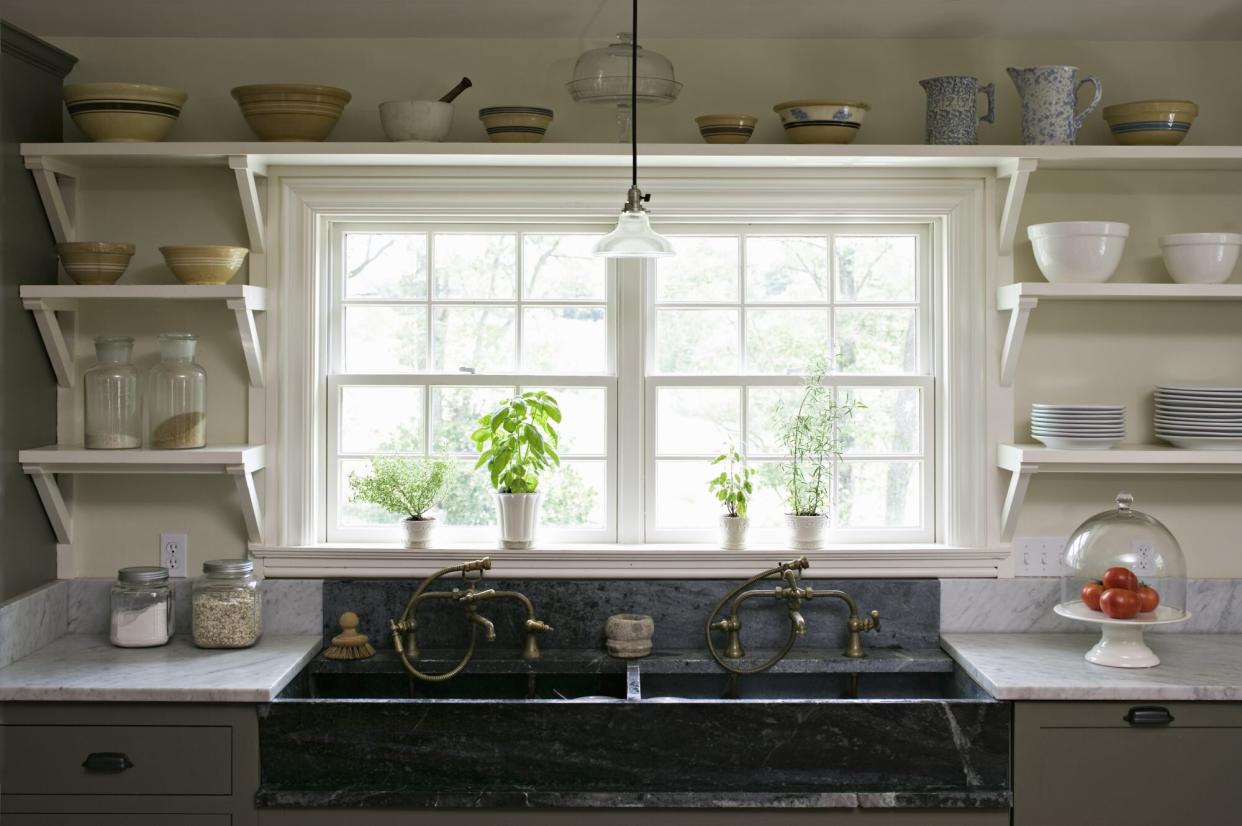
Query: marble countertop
[[87, 668], [1052, 667]]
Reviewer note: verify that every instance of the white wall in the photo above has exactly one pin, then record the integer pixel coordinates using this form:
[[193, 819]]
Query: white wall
[[1073, 353]]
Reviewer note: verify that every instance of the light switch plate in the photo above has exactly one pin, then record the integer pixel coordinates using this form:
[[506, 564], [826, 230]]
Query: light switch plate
[[1038, 555], [173, 547]]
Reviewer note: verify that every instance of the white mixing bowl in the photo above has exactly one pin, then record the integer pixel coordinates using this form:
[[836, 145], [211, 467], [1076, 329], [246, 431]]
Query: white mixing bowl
[[1201, 257], [1082, 252]]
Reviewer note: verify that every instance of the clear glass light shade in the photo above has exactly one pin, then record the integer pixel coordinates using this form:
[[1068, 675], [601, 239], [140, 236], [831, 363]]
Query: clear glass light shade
[[634, 238]]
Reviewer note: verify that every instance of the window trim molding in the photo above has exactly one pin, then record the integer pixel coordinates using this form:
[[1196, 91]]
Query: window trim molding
[[301, 200]]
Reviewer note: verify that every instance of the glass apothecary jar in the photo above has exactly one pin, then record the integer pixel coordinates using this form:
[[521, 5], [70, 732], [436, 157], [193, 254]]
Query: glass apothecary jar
[[113, 419], [141, 606], [177, 396], [227, 605]]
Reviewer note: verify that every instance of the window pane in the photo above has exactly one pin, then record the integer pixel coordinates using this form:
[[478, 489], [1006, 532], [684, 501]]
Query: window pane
[[767, 503], [584, 419], [561, 267], [697, 420], [386, 265], [467, 498], [877, 341], [385, 339], [564, 340], [382, 419], [785, 341], [484, 338], [455, 412], [889, 423], [696, 341], [574, 496], [475, 266], [879, 495], [792, 268], [361, 514], [682, 498], [705, 269], [768, 409], [877, 268]]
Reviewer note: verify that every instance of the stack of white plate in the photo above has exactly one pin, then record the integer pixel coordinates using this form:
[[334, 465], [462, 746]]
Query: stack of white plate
[[1078, 426], [1199, 418]]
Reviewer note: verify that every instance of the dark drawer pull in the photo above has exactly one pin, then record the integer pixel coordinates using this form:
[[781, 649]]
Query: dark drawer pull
[[1148, 716], [107, 762]]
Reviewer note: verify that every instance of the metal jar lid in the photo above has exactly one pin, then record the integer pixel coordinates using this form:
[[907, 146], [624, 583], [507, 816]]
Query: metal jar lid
[[142, 573], [228, 567]]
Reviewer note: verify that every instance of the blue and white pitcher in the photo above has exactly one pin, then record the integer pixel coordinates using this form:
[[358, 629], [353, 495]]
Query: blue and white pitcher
[[1049, 98], [953, 110]]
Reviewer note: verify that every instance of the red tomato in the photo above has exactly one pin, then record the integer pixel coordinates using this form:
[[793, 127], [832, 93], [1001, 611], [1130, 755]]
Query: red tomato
[[1090, 594], [1149, 598], [1120, 578], [1119, 603]]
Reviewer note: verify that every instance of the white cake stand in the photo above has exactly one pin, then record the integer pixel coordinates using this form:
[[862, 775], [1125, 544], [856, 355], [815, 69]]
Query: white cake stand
[[1121, 644]]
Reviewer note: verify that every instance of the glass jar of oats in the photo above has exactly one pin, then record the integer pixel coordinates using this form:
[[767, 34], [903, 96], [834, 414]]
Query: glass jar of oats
[[226, 605], [177, 396]]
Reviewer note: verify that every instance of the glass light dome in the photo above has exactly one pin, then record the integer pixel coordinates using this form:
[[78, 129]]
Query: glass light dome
[[603, 76]]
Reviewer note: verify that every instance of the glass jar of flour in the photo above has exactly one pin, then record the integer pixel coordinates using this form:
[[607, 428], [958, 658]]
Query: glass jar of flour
[[142, 608], [227, 605], [177, 396], [113, 412]]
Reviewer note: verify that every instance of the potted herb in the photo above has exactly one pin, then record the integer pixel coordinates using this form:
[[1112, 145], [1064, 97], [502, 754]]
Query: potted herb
[[813, 444], [408, 486], [517, 442], [732, 488]]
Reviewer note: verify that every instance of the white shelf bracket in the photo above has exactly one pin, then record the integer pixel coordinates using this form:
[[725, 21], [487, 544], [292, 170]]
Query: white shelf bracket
[[1019, 316], [1019, 481], [1019, 174], [53, 502], [58, 351], [58, 186], [251, 510], [249, 333], [244, 169]]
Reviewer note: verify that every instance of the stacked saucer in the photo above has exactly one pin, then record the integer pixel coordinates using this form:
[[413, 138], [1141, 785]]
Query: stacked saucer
[[1078, 426], [1199, 418]]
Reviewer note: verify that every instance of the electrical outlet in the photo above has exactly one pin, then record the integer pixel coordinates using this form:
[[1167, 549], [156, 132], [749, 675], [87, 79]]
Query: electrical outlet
[[1038, 555], [1144, 557], [173, 548]]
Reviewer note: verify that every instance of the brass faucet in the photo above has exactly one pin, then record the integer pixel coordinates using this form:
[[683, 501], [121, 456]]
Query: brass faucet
[[793, 595], [403, 630]]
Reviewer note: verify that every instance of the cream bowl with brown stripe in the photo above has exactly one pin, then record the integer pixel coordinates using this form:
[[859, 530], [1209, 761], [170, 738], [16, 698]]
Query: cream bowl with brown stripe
[[291, 111], [123, 112], [726, 128], [94, 262], [204, 263], [515, 124]]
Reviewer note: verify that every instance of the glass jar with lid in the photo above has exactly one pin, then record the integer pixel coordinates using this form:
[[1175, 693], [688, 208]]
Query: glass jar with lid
[[141, 607], [177, 396], [113, 418], [227, 605]]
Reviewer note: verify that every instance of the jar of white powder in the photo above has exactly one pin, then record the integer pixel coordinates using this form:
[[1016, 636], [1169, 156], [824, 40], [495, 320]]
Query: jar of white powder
[[142, 608]]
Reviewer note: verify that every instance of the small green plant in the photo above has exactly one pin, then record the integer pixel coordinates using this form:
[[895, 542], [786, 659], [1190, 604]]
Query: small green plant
[[518, 441], [733, 485], [812, 440], [409, 486]]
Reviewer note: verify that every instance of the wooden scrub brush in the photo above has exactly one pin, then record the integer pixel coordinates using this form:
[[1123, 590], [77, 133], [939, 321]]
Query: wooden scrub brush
[[349, 644]]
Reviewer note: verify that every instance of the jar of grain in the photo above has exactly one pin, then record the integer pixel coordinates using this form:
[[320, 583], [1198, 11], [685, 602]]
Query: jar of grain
[[141, 605], [177, 396], [113, 414], [227, 607]]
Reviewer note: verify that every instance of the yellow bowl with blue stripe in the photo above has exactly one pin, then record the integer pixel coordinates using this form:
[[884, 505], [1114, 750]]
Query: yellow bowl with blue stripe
[[515, 124], [1151, 122]]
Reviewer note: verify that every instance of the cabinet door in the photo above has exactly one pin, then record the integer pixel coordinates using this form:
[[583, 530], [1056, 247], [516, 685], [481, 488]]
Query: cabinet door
[[1130, 764]]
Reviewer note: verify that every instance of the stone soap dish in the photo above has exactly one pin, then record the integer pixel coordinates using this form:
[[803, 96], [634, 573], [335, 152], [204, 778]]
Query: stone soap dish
[[629, 635]]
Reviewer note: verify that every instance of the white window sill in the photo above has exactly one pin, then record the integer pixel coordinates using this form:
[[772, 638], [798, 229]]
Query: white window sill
[[612, 561]]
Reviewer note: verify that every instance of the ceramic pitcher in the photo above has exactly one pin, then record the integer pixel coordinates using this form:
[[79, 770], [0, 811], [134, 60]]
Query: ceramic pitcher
[[1049, 97], [952, 108]]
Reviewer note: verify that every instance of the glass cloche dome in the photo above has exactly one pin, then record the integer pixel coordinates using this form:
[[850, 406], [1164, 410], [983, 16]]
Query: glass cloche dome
[[603, 76]]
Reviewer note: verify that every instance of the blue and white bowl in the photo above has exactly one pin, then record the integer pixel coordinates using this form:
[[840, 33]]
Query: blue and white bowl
[[515, 124], [821, 121]]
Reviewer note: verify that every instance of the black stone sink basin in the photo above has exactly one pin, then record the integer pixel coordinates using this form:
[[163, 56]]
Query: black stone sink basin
[[803, 686], [467, 686]]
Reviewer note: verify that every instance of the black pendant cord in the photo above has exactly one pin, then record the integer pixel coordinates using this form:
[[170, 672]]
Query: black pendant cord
[[634, 97]]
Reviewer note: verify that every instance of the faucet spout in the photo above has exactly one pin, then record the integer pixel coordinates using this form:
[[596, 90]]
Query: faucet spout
[[799, 622], [489, 629]]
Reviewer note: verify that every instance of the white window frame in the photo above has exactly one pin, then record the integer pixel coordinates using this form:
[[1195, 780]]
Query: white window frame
[[954, 202]]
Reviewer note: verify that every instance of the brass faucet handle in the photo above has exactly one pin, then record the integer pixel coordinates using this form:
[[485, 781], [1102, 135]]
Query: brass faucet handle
[[730, 624], [472, 596], [799, 564], [873, 624], [536, 626], [484, 564]]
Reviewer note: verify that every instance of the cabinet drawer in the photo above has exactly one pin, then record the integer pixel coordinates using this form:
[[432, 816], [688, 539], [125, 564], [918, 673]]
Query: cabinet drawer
[[164, 760], [117, 820]]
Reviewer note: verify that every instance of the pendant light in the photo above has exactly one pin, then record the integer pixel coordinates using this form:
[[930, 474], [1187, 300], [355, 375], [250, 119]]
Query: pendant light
[[634, 237]]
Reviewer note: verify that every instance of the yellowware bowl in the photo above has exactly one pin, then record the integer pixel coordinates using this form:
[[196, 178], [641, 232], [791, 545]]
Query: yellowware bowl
[[515, 124], [726, 128], [291, 111], [94, 262], [128, 112], [204, 263], [822, 121], [1151, 122]]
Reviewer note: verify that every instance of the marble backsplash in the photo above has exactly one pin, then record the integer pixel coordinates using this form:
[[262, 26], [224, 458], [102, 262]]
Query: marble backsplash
[[31, 620]]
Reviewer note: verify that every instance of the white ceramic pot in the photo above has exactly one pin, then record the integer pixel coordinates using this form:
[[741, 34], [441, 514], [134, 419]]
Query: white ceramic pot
[[418, 531], [519, 517], [733, 532], [1201, 257], [1083, 252], [416, 120], [806, 533]]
